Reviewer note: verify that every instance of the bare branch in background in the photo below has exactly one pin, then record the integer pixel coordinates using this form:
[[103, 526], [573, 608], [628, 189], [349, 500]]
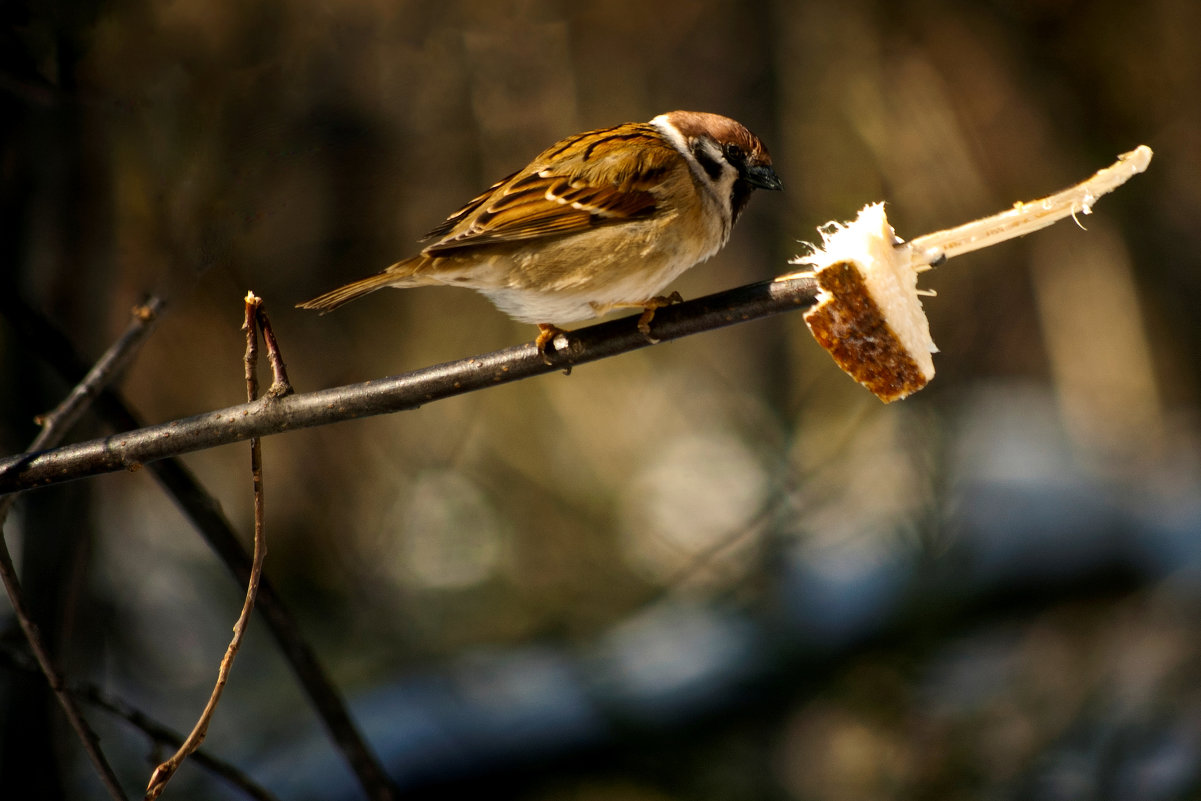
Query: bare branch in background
[[54, 427], [206, 515], [156, 732]]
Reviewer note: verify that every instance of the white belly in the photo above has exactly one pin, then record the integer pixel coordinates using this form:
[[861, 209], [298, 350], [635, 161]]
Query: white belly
[[557, 283]]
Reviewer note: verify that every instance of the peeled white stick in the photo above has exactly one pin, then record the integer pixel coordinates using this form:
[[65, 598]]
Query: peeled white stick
[[1026, 218], [868, 315]]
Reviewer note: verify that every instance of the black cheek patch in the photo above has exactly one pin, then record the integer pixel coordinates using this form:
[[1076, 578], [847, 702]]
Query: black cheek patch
[[709, 164]]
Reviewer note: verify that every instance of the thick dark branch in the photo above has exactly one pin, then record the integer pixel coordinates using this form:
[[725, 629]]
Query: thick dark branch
[[130, 450]]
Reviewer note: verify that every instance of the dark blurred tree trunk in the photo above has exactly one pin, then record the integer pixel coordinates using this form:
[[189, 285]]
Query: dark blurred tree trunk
[[55, 241]]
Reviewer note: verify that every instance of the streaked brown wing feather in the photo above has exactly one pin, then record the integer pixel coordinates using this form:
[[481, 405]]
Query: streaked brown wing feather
[[450, 222], [555, 195]]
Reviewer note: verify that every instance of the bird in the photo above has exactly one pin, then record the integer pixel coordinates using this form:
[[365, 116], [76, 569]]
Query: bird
[[599, 221]]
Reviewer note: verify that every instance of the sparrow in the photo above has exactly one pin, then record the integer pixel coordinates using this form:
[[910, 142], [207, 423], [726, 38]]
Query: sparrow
[[598, 221]]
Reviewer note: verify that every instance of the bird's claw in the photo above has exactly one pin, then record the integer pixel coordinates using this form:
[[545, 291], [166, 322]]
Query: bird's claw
[[648, 312]]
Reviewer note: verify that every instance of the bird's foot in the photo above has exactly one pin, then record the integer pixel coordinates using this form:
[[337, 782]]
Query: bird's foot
[[649, 308], [546, 336]]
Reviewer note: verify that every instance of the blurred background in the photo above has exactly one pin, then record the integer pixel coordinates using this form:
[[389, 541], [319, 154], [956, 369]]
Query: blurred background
[[715, 569]]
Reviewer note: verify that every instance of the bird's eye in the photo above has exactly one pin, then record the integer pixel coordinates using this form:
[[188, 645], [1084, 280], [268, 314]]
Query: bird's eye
[[733, 153]]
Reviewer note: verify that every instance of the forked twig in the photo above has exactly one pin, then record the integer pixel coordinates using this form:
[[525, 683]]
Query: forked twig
[[163, 773]]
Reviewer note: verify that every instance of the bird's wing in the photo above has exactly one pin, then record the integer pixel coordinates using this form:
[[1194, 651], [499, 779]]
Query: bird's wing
[[588, 180]]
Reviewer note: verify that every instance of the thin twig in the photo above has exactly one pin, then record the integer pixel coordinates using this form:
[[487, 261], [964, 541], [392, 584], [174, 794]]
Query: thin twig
[[56, 423], [54, 427], [131, 450], [86, 736], [280, 386], [162, 734], [163, 773], [205, 513]]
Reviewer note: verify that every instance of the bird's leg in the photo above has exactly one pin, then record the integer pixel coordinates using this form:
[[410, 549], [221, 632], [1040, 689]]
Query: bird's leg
[[546, 335], [648, 306]]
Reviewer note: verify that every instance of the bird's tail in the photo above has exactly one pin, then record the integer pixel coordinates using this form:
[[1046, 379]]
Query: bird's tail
[[399, 275]]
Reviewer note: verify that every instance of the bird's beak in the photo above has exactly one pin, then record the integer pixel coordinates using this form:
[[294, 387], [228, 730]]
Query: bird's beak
[[762, 176]]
